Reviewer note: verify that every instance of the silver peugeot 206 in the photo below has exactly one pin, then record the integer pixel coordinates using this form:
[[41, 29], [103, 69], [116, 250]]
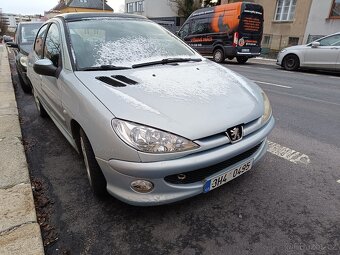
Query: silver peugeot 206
[[153, 120]]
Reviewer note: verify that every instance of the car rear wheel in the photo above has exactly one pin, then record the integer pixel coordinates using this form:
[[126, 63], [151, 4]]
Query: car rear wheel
[[241, 60], [94, 173], [291, 63], [41, 110], [218, 55]]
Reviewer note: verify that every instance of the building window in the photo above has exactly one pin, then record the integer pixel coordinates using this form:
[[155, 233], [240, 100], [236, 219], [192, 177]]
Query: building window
[[293, 41], [335, 11], [137, 6], [266, 40], [285, 10]]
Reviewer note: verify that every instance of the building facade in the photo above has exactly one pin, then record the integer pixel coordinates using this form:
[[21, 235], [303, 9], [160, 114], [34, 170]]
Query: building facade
[[324, 19], [12, 20], [66, 6], [164, 12]]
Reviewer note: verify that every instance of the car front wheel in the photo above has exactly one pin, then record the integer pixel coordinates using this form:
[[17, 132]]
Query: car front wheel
[[94, 173], [291, 63]]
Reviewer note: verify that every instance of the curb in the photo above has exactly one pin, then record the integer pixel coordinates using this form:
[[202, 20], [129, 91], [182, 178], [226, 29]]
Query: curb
[[19, 230]]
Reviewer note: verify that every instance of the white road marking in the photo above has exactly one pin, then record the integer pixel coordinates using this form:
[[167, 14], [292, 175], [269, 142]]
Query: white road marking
[[333, 77], [245, 67], [263, 68], [303, 97], [287, 153], [338, 181], [273, 84], [312, 74]]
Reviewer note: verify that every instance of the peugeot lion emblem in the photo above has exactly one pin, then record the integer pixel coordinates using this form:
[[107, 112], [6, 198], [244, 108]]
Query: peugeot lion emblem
[[235, 134]]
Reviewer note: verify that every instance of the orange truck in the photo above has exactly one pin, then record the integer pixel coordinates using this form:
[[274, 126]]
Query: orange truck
[[225, 31]]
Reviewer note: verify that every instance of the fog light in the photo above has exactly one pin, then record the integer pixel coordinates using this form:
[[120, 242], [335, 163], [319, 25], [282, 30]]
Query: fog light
[[142, 186]]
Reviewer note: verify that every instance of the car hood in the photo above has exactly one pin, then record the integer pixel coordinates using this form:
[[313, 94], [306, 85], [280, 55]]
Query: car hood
[[194, 100], [296, 47]]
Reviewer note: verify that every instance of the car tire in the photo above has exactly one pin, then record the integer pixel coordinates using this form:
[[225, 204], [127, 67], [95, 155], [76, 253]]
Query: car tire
[[94, 173], [40, 108], [291, 62], [218, 55], [25, 87], [241, 60]]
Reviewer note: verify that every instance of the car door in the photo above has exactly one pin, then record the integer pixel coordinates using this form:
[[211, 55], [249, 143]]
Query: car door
[[50, 85], [36, 54], [325, 55]]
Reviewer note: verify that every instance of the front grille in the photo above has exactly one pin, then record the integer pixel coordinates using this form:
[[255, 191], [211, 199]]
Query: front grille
[[201, 174]]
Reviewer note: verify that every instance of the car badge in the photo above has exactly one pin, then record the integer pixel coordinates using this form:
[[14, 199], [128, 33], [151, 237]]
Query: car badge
[[235, 134]]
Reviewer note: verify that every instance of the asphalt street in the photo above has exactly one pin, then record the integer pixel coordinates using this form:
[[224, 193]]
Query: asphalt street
[[287, 204]]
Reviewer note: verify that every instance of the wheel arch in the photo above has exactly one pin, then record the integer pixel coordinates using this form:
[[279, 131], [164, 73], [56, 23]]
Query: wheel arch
[[75, 129]]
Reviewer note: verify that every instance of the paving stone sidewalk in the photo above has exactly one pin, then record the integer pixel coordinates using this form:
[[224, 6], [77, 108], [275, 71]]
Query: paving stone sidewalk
[[19, 230]]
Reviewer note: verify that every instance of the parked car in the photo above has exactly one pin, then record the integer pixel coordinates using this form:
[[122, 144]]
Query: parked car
[[7, 38], [23, 44], [323, 53], [225, 31], [153, 120]]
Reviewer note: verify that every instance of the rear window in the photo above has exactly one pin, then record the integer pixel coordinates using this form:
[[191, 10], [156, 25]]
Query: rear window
[[252, 19], [28, 33]]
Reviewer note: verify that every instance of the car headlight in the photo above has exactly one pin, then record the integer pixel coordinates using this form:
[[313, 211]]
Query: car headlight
[[23, 61], [267, 112], [283, 50], [151, 140]]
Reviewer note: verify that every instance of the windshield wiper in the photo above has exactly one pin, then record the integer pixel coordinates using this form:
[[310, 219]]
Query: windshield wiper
[[166, 61], [104, 67]]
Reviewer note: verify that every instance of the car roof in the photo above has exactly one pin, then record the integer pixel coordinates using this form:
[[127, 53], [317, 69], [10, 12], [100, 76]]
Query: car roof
[[96, 15]]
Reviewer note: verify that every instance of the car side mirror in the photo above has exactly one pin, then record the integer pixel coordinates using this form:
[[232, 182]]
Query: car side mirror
[[45, 67], [315, 44], [12, 45]]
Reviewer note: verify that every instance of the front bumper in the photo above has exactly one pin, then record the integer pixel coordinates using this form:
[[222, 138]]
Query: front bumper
[[119, 174], [279, 59]]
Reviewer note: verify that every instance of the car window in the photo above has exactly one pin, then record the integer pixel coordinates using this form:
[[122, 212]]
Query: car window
[[39, 41], [28, 33], [122, 42], [201, 26], [184, 31], [52, 45], [333, 40]]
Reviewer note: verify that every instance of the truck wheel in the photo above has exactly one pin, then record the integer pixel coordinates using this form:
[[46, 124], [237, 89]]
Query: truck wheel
[[291, 62], [94, 173], [241, 60], [218, 55]]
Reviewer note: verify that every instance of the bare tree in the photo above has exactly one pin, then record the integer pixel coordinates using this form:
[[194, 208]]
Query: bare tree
[[185, 7]]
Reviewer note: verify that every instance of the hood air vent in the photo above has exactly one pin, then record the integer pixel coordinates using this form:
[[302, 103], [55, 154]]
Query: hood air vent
[[124, 79], [117, 80]]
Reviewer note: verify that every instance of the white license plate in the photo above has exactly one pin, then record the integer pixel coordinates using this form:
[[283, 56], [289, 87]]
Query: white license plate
[[218, 181], [245, 50]]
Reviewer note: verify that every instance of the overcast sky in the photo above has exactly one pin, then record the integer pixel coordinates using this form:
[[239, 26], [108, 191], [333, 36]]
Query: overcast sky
[[39, 6]]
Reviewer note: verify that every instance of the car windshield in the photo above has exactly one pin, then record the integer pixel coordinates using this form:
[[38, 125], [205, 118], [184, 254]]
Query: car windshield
[[28, 32], [122, 43]]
